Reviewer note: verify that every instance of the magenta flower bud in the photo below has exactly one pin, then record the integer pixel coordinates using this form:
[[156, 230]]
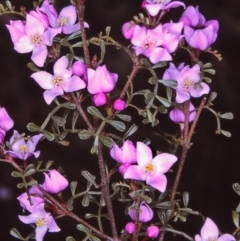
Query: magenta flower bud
[[124, 155], [6, 123], [128, 29], [192, 17], [146, 213], [78, 68], [101, 80], [119, 105], [100, 99], [178, 116], [152, 231], [54, 182], [130, 227]]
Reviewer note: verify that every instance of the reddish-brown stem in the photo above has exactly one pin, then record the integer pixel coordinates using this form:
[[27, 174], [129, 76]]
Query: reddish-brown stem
[[80, 11], [106, 193], [136, 223]]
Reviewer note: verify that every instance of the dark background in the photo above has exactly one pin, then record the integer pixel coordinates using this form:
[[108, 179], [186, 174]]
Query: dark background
[[213, 162]]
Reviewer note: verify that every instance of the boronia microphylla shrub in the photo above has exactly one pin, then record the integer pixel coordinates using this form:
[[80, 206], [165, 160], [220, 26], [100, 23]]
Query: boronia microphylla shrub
[[71, 81]]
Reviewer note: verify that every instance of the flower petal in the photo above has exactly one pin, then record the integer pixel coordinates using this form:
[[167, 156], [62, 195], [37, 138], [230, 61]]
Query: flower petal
[[24, 45], [159, 54], [60, 68], [52, 225], [73, 84], [135, 172], [49, 95], [39, 55], [44, 79], [158, 181], [209, 230], [144, 154], [226, 237], [29, 219], [40, 232], [163, 162], [33, 26]]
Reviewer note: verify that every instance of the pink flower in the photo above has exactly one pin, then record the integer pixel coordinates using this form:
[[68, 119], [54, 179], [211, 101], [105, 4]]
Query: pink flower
[[41, 16], [36, 197], [188, 81], [22, 148], [79, 68], [178, 116], [209, 231], [145, 215], [61, 81], [6, 123], [100, 99], [150, 169], [198, 34], [148, 42], [152, 231], [44, 222], [119, 104], [32, 37], [128, 29], [54, 182], [66, 19], [154, 6], [101, 80], [130, 227]]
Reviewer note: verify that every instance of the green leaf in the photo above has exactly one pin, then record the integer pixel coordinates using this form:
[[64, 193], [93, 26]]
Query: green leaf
[[185, 199], [159, 65], [108, 29], [102, 201], [210, 71], [14, 232], [83, 228], [153, 80], [69, 105], [58, 120], [146, 62], [169, 83], [164, 101], [2, 9], [32, 127], [16, 174], [49, 164], [74, 35], [74, 118], [90, 215], [48, 135], [70, 203], [33, 67], [127, 118], [207, 79], [227, 115], [106, 141], [77, 45], [95, 112], [212, 97], [117, 124], [29, 172], [94, 238], [182, 218], [39, 164], [94, 149], [169, 93], [236, 188], [162, 205], [91, 178], [32, 183], [70, 238], [73, 187], [85, 200], [20, 185], [226, 133], [84, 135], [130, 131], [207, 65], [235, 217]]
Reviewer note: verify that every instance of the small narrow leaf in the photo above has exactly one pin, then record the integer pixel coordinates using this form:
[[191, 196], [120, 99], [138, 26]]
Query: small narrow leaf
[[33, 67], [85, 200], [227, 115], [77, 45], [130, 131], [94, 238], [94, 149], [32, 127], [153, 80], [207, 79], [84, 135], [127, 118], [90, 215], [83, 228], [169, 93], [236, 188], [14, 232], [32, 183], [91, 178], [20, 185], [108, 29], [169, 83], [106, 141], [212, 97], [117, 124], [210, 71], [207, 65], [73, 187], [69, 105], [16, 174], [235, 217], [29, 172], [70, 203], [226, 133], [164, 101], [185, 199], [146, 62], [95, 112], [49, 164], [48, 135], [74, 35], [70, 238], [58, 120], [159, 65], [102, 201], [74, 119]]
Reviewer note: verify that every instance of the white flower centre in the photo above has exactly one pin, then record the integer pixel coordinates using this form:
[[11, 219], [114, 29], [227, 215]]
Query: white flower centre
[[149, 43], [41, 222], [62, 21], [36, 39], [23, 148], [149, 168], [57, 80], [187, 84]]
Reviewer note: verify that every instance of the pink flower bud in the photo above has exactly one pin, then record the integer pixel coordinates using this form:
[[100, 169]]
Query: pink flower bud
[[54, 182], [130, 227], [178, 116], [119, 105], [100, 99], [146, 213], [152, 231], [6, 123], [128, 29], [101, 80], [124, 155], [78, 68]]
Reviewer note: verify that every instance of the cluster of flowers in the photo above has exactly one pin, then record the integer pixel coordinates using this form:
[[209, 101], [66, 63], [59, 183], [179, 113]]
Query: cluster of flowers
[[38, 32]]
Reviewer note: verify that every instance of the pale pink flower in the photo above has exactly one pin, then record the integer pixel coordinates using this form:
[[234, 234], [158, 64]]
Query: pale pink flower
[[145, 215], [61, 81], [32, 37], [209, 231], [6, 123], [188, 81], [101, 80], [54, 182], [148, 42], [22, 148], [155, 6], [150, 169], [43, 220], [152, 231]]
